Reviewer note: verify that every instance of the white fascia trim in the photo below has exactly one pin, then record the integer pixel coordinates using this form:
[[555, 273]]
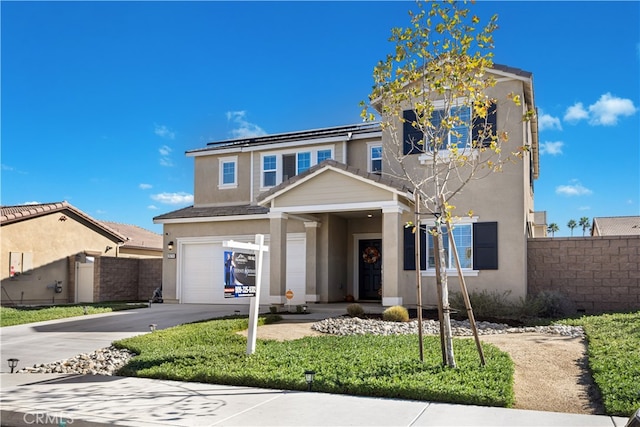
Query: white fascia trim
[[510, 76], [342, 207], [211, 219]]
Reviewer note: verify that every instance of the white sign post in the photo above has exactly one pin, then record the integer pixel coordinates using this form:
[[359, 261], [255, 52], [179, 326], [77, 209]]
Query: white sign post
[[254, 305]]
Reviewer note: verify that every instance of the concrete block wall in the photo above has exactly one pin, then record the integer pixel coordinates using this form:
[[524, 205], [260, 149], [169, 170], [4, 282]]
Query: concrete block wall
[[149, 277], [116, 279], [597, 273]]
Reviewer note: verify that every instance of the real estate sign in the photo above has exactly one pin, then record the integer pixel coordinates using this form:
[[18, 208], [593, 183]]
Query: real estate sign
[[239, 274]]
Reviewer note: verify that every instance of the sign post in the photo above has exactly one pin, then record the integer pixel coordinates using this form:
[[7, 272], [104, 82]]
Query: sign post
[[254, 305]]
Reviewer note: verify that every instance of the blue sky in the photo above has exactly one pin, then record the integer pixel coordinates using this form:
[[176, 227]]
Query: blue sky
[[100, 100]]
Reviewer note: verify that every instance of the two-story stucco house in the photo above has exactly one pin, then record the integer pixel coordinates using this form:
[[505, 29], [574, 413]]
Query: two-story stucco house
[[334, 221]]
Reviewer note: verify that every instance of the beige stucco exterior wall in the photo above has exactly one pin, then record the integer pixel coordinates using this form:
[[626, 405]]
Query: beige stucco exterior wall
[[50, 241], [207, 180]]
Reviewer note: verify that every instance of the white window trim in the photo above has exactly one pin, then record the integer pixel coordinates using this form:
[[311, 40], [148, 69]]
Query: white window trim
[[221, 162], [371, 146], [468, 272], [279, 153]]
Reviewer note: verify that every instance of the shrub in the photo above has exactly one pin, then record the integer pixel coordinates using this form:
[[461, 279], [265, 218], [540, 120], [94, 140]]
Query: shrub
[[554, 304], [355, 310], [397, 313], [484, 303]]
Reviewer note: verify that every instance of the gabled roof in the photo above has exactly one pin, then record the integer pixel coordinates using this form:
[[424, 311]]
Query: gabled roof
[[616, 226], [376, 179], [137, 237], [11, 214]]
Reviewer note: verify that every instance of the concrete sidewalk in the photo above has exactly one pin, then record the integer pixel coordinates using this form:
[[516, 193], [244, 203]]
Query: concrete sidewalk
[[56, 399]]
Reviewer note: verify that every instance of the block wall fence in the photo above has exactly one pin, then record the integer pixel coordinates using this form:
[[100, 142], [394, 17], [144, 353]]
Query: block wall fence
[[597, 273]]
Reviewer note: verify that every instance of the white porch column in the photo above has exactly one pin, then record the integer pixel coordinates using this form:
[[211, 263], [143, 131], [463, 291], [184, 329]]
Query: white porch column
[[391, 255], [311, 293], [277, 257]]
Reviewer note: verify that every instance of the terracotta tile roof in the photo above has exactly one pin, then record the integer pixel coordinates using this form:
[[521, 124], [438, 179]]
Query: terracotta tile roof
[[212, 211], [11, 214], [335, 164], [616, 226], [137, 237]]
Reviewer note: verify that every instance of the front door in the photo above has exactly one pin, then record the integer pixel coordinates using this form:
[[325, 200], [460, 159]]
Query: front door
[[370, 269]]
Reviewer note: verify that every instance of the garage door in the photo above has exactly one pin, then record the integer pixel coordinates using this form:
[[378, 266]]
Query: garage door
[[201, 276]]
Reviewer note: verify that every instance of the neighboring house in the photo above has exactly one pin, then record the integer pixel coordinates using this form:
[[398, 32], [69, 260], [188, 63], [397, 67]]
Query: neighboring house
[[140, 243], [616, 226], [48, 252], [334, 221]]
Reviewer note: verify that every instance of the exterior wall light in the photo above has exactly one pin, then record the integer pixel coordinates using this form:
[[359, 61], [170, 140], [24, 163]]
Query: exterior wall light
[[309, 377], [170, 245], [13, 363]]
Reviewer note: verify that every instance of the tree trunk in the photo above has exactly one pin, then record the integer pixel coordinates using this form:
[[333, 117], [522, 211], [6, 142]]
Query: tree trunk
[[441, 267]]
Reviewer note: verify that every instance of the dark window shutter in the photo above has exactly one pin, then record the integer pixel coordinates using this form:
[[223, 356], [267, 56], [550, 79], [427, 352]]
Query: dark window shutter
[[410, 249], [485, 246], [411, 136], [488, 124]]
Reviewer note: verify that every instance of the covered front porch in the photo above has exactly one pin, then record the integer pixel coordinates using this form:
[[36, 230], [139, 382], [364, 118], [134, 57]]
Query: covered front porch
[[353, 224]]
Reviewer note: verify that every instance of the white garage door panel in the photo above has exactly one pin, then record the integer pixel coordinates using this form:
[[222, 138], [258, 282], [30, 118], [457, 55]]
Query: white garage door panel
[[199, 272]]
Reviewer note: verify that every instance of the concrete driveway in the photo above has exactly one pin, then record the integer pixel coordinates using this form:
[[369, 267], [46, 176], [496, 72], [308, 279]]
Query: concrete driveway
[[50, 341]]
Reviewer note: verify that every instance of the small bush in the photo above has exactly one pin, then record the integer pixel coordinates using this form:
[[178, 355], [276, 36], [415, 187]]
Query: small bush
[[554, 304], [484, 303], [355, 310], [397, 313]]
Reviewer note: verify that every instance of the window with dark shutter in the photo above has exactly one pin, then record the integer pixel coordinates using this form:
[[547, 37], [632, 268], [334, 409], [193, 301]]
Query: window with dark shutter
[[485, 246], [410, 249], [484, 128], [412, 137]]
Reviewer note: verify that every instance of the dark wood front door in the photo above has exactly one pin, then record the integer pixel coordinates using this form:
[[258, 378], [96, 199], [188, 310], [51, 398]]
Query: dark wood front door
[[370, 269]]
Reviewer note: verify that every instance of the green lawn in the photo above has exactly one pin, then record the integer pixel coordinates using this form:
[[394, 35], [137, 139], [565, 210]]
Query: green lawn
[[614, 359], [359, 365], [18, 316]]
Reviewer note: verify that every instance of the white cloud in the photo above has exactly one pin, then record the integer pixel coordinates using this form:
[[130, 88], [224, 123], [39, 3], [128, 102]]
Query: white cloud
[[32, 203], [605, 111], [575, 188], [575, 113], [584, 208], [553, 148], [165, 152], [609, 108], [152, 207], [164, 132], [181, 198], [547, 121], [244, 128], [145, 186]]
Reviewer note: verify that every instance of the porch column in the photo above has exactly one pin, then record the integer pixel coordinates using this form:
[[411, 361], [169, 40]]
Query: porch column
[[277, 257], [391, 255], [311, 293]]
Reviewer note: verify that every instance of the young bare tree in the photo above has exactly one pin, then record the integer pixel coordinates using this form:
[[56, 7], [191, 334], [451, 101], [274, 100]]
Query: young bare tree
[[430, 96]]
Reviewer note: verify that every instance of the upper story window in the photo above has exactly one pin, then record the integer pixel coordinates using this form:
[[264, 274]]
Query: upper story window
[[269, 170], [414, 140], [375, 158], [228, 172], [277, 168], [324, 155], [304, 161]]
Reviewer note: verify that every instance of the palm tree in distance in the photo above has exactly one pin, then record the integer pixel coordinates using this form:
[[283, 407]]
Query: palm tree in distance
[[572, 224], [584, 223], [552, 228]]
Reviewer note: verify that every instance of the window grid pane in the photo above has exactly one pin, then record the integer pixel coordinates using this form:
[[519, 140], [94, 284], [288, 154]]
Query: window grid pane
[[324, 155], [304, 162], [464, 243], [228, 173], [269, 171], [376, 159]]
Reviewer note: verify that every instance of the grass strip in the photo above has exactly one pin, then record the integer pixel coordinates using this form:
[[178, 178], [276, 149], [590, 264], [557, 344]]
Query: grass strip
[[368, 365], [614, 359], [10, 316]]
